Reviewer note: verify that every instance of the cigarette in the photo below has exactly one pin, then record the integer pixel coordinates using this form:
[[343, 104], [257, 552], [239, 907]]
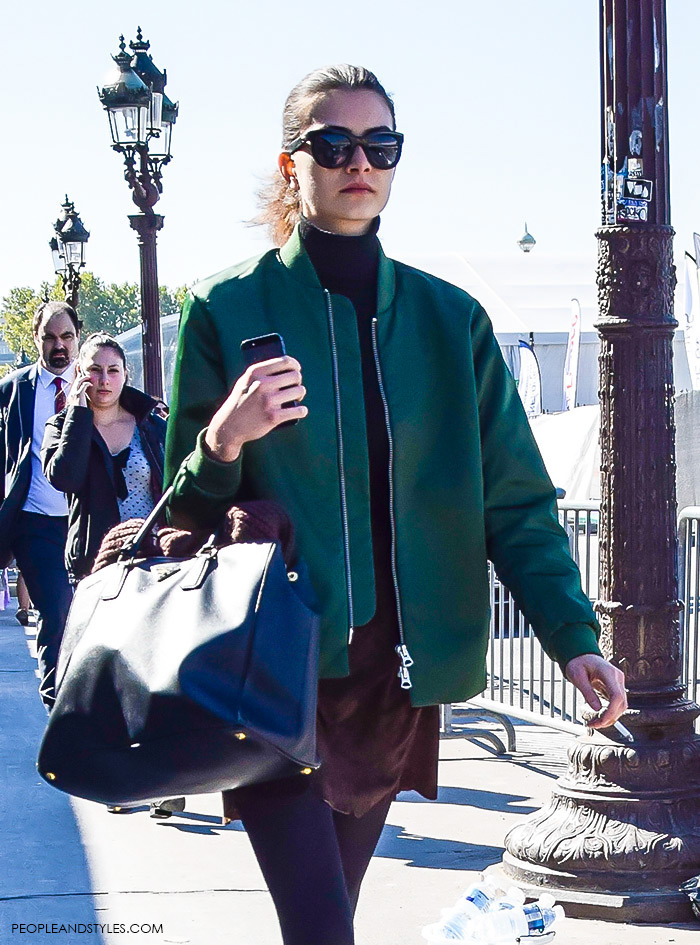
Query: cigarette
[[625, 732]]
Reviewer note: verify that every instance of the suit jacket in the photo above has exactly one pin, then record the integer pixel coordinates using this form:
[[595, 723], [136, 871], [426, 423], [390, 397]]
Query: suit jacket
[[17, 394]]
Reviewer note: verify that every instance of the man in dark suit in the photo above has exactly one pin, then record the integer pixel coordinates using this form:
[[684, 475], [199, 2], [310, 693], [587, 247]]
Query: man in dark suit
[[33, 515]]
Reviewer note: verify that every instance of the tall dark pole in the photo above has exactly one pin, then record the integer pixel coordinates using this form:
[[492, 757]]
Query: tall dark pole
[[622, 830], [147, 226], [145, 191]]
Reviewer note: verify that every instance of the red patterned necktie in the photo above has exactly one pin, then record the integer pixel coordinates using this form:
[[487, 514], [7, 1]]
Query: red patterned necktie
[[59, 399]]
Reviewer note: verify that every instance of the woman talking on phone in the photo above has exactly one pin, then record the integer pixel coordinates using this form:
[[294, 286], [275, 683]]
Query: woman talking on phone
[[104, 450], [410, 465]]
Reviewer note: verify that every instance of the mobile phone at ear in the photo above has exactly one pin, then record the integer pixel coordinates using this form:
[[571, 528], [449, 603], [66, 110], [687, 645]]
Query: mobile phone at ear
[[264, 348]]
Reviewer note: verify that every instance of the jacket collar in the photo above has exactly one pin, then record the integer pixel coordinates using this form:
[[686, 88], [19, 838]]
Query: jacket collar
[[296, 260], [29, 374], [137, 402]]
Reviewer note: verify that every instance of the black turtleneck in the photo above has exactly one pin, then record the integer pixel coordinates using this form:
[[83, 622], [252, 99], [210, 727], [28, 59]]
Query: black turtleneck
[[348, 265]]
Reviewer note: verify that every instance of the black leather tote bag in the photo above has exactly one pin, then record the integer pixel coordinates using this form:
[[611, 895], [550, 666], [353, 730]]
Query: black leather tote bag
[[184, 676]]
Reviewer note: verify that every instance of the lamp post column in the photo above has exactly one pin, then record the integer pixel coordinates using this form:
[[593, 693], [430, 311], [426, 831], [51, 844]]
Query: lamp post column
[[622, 830], [71, 287], [141, 119], [147, 226]]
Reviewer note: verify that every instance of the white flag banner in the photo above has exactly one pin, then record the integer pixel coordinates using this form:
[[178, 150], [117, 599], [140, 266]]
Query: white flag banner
[[571, 362], [529, 383], [691, 325]]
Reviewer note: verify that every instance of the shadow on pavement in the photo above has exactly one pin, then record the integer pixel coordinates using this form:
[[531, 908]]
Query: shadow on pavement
[[473, 797], [211, 827], [432, 853], [44, 876]]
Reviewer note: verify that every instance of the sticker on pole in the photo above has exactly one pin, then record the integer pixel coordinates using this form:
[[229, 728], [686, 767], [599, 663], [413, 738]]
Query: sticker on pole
[[636, 188], [632, 211]]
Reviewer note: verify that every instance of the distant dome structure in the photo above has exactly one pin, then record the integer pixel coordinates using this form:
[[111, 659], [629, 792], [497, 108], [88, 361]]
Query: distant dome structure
[[527, 241]]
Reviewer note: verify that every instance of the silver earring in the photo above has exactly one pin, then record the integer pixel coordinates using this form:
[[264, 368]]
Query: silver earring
[[292, 183]]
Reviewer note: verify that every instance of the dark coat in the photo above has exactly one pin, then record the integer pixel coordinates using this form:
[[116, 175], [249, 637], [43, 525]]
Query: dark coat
[[76, 460], [17, 394]]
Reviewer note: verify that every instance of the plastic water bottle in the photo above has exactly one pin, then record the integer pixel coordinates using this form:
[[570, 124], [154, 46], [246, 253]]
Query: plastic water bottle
[[456, 923], [507, 924], [513, 898]]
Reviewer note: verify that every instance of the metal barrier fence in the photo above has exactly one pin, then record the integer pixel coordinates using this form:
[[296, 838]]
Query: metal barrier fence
[[688, 570], [523, 682]]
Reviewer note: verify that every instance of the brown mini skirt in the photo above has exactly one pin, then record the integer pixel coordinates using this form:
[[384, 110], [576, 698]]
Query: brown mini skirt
[[371, 741]]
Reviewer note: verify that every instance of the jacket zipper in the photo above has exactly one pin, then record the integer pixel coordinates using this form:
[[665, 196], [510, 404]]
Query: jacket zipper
[[341, 464], [401, 649]]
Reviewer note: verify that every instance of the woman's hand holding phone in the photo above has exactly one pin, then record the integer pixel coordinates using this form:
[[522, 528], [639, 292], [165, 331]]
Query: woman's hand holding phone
[[77, 395], [256, 405]]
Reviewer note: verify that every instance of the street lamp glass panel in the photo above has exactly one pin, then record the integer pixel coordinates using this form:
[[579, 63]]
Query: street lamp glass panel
[[159, 147], [75, 254], [128, 124], [59, 262], [156, 116]]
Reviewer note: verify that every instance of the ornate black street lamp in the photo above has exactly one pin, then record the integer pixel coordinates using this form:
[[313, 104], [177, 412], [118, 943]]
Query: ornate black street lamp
[[68, 250], [141, 118], [622, 830]]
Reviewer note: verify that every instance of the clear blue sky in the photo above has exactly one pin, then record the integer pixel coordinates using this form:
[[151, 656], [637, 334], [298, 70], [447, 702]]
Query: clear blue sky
[[512, 85]]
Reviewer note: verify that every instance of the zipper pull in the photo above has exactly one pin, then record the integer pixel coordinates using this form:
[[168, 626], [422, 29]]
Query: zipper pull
[[350, 635], [406, 661], [404, 655]]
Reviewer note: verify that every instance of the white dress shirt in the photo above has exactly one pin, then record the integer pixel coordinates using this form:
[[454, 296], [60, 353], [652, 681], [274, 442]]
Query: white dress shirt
[[42, 497]]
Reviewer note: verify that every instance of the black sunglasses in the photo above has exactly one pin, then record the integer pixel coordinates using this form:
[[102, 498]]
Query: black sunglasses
[[333, 149]]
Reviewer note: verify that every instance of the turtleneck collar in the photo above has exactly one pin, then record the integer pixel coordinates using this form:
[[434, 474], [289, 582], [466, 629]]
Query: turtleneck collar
[[347, 265], [306, 227], [296, 260]]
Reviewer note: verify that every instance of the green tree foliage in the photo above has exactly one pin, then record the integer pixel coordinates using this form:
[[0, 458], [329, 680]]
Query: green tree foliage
[[113, 308], [17, 314]]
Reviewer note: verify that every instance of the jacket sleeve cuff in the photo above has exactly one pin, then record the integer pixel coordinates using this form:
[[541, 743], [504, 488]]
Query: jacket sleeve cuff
[[204, 488], [574, 639], [212, 476]]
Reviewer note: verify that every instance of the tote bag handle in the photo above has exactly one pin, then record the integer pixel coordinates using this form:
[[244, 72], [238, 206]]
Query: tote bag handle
[[131, 546]]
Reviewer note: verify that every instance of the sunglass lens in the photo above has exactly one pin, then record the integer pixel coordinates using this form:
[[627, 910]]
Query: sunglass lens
[[331, 149], [383, 151]]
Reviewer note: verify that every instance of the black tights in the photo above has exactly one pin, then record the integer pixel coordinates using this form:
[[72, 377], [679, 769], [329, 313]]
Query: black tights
[[312, 857]]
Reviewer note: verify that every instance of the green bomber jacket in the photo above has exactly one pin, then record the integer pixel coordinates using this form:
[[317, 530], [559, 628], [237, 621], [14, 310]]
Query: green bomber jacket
[[467, 480]]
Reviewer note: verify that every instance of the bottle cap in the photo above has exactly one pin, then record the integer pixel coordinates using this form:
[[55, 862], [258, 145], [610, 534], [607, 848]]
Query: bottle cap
[[515, 894]]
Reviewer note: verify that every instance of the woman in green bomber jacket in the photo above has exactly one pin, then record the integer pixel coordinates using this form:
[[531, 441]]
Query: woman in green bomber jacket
[[411, 464]]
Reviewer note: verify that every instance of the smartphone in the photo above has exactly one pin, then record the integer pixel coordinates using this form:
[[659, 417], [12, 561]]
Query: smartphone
[[264, 348]]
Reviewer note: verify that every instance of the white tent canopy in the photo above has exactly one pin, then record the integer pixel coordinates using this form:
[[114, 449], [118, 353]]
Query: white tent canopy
[[569, 443], [528, 298]]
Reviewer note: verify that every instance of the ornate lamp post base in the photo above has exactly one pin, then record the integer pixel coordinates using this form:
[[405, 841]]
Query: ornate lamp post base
[[621, 831]]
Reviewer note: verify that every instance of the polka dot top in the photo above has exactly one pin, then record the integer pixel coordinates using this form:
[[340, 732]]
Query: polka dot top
[[137, 475]]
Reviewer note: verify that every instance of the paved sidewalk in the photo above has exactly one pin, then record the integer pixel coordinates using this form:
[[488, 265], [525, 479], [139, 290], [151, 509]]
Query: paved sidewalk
[[64, 861]]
